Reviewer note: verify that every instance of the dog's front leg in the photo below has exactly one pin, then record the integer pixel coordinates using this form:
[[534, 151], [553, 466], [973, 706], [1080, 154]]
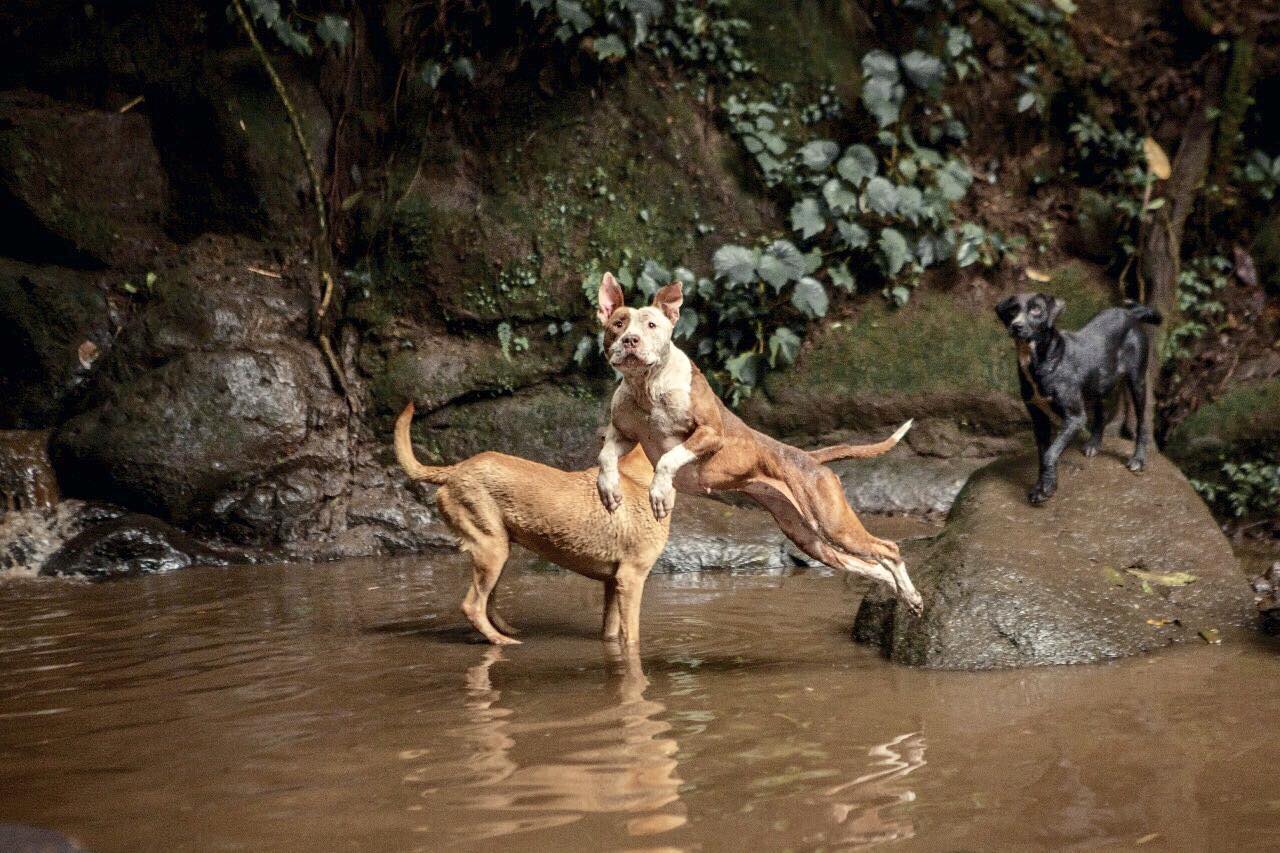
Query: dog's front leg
[[1072, 423], [615, 447], [662, 492]]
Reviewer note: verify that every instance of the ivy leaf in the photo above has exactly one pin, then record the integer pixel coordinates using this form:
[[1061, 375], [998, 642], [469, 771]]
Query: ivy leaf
[[431, 73], [883, 99], [910, 203], [857, 164], [819, 154], [736, 263], [781, 262], [504, 339], [464, 69], [893, 250], [806, 217], [1026, 101], [810, 298], [752, 144], [775, 143], [686, 324], [924, 70], [585, 349], [609, 47], [653, 276], [573, 15], [880, 64], [839, 197], [842, 278], [784, 344], [881, 196], [744, 368], [954, 180], [335, 31], [853, 234]]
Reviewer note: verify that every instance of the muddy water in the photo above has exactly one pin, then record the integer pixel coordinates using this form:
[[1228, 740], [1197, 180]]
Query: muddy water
[[344, 706]]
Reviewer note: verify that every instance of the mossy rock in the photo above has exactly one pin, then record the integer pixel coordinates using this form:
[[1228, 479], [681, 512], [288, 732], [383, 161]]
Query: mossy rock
[[434, 369], [554, 424], [78, 186], [46, 315], [810, 42], [944, 355], [556, 191], [1241, 424], [1266, 253]]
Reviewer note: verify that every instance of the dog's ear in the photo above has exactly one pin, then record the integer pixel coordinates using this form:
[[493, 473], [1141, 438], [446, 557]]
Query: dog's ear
[[610, 298], [1056, 304], [669, 299], [1007, 309]]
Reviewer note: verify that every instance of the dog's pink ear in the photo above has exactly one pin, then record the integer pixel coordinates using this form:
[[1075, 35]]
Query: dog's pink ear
[[669, 299], [610, 298]]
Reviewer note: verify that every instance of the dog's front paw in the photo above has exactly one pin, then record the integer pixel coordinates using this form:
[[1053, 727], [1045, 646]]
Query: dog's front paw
[[610, 491], [1040, 493], [1136, 464], [662, 497], [1090, 450]]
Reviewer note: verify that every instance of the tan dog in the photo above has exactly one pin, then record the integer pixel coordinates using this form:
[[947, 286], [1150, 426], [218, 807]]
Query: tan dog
[[492, 499], [696, 445]]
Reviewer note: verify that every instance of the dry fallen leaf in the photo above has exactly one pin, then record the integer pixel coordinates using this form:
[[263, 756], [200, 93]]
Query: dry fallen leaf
[[88, 354], [1159, 623], [1211, 636], [1036, 275], [1163, 579], [1157, 160]]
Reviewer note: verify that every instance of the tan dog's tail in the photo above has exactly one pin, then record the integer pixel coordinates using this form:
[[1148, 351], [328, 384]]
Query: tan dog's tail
[[404, 453], [860, 451]]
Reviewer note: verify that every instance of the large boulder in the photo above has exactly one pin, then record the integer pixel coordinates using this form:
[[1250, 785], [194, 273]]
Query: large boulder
[[54, 324], [1243, 422], [1114, 565], [78, 186], [213, 410]]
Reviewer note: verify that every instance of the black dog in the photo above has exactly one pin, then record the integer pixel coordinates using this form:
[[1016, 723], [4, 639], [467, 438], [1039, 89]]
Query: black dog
[[1070, 375]]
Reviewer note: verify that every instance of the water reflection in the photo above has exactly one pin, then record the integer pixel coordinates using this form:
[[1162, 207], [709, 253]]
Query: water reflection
[[616, 757], [859, 805]]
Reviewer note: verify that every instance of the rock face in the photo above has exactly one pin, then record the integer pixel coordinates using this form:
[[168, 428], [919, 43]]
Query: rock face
[[1114, 565], [213, 411]]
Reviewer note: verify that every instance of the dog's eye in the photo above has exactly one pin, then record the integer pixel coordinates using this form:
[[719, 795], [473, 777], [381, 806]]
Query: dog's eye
[[652, 325], [1036, 311], [618, 325]]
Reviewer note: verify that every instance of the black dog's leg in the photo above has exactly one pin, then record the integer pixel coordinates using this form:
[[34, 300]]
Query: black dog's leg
[[1097, 426], [1072, 423], [1136, 380]]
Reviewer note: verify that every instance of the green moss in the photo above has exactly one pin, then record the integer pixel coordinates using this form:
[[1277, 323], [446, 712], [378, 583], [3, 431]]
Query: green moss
[[1244, 423], [805, 43]]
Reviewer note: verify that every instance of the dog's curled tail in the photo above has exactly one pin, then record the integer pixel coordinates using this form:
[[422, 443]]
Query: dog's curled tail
[[404, 453], [860, 451], [1142, 314]]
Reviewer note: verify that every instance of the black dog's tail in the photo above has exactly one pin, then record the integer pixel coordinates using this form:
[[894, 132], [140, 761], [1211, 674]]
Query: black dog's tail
[[1142, 314]]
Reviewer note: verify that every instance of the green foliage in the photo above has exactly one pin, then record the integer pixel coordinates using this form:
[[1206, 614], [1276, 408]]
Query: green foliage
[[1261, 174], [333, 30], [1200, 282], [1248, 488]]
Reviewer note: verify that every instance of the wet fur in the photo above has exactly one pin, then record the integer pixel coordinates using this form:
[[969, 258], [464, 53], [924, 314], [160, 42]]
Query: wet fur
[[491, 500]]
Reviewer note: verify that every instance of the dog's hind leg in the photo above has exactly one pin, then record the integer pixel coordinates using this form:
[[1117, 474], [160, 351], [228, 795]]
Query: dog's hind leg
[[612, 616], [485, 540], [1097, 426], [1136, 381], [496, 618]]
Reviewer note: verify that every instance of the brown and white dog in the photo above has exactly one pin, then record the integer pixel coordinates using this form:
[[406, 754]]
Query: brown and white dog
[[697, 446]]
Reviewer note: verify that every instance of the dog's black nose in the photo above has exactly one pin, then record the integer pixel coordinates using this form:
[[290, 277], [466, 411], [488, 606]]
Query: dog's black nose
[[630, 341]]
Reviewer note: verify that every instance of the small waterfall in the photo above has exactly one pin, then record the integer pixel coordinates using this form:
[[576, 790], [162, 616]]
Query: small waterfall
[[26, 477]]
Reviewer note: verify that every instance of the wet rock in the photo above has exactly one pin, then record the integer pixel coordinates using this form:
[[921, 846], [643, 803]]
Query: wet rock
[[30, 537], [18, 838], [128, 545], [1099, 572], [213, 411], [55, 323], [901, 482], [26, 477], [708, 534], [78, 186], [941, 357], [558, 425]]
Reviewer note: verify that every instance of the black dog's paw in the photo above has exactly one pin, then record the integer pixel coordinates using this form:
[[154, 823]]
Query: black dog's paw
[[1135, 464], [1090, 450], [1040, 493]]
